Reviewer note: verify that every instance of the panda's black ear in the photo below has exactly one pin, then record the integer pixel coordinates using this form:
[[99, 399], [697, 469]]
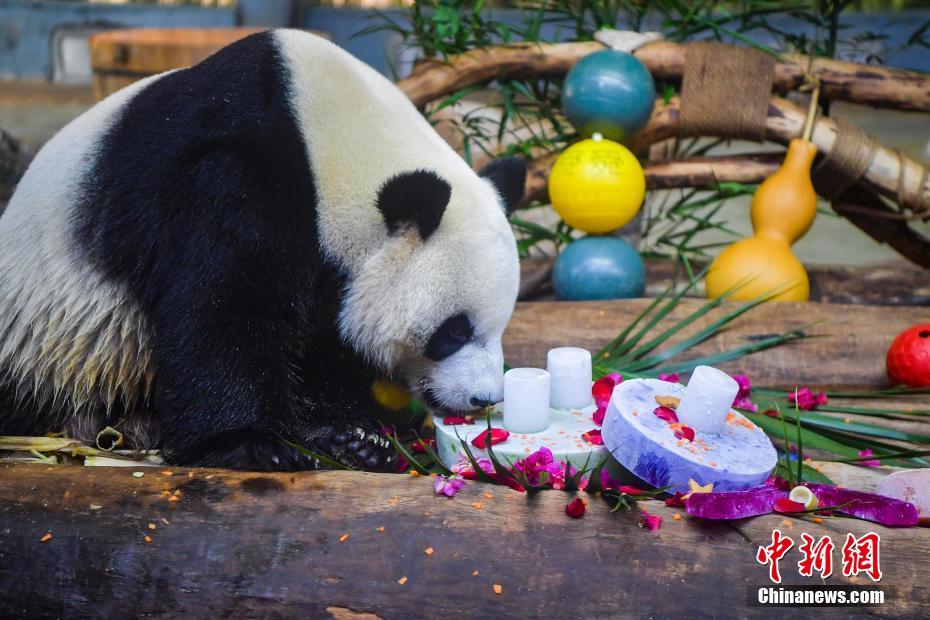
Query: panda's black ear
[[416, 198], [509, 178]]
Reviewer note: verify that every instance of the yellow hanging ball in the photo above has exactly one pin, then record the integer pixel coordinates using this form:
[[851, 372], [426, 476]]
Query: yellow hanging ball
[[390, 394], [597, 185]]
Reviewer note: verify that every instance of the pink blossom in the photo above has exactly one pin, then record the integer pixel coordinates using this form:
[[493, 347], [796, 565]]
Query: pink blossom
[[651, 522], [448, 485], [870, 462], [670, 377], [464, 467], [742, 400], [807, 400], [534, 465]]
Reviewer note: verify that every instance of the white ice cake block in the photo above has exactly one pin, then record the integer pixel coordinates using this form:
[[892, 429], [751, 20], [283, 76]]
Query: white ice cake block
[[562, 437], [739, 457]]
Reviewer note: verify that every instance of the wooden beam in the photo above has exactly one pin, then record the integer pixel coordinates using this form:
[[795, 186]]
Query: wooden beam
[[248, 544], [840, 80], [848, 353]]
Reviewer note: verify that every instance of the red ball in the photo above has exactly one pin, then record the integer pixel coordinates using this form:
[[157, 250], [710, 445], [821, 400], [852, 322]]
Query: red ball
[[908, 359]]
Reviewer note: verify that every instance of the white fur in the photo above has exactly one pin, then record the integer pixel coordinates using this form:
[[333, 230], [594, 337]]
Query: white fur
[[360, 130], [67, 336]]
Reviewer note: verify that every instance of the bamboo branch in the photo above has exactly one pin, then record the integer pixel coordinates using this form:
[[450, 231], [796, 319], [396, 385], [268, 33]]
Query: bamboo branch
[[879, 87]]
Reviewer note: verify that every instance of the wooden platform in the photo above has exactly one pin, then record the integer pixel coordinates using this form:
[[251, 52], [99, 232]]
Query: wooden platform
[[254, 544]]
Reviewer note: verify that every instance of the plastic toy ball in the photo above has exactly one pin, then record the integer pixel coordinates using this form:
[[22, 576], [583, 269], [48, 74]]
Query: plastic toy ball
[[610, 93], [597, 185], [599, 268], [390, 394], [908, 359]]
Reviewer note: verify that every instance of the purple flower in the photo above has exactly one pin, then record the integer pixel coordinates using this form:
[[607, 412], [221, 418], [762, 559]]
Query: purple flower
[[742, 400], [534, 465], [448, 485]]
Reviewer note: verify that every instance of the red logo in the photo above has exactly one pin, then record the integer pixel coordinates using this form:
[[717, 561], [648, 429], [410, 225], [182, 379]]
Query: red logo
[[860, 555]]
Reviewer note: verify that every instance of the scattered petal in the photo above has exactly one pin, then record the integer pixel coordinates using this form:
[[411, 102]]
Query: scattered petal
[[593, 437], [869, 462], [428, 551], [675, 501], [651, 522], [402, 581], [576, 508], [670, 377], [629, 490], [599, 414], [455, 420], [498, 588], [666, 414], [603, 388], [448, 485], [676, 516], [684, 432], [344, 538], [419, 446], [785, 505], [498, 435], [147, 539], [772, 413], [46, 538], [742, 400]]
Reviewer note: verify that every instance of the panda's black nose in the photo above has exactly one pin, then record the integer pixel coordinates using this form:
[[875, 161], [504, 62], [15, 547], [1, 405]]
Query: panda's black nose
[[480, 403]]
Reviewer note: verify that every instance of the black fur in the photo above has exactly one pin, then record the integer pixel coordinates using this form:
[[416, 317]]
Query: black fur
[[417, 198], [454, 333], [202, 203], [509, 178]]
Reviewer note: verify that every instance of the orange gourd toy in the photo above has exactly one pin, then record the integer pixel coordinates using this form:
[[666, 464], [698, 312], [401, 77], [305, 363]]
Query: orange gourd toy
[[783, 209]]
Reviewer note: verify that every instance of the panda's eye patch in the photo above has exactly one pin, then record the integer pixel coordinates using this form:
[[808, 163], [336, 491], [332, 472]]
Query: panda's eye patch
[[452, 335]]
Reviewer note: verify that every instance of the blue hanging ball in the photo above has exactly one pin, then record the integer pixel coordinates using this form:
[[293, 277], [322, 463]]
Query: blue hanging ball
[[610, 93], [599, 268]]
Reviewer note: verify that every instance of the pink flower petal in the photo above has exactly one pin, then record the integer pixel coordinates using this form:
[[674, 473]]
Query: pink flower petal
[[454, 420], [667, 414], [598, 416], [671, 377], [870, 462], [651, 522]]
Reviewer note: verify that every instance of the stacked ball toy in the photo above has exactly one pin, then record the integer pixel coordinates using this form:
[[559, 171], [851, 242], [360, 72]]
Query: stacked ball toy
[[908, 358], [599, 268], [610, 93], [597, 185]]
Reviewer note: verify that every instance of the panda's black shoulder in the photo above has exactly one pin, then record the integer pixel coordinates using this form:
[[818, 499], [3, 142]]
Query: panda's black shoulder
[[215, 142]]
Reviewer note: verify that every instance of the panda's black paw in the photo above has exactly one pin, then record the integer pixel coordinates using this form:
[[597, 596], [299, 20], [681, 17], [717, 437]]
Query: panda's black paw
[[359, 445]]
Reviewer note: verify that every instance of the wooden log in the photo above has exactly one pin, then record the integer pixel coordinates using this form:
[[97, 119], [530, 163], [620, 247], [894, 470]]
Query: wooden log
[[698, 172], [842, 81], [247, 544], [849, 352]]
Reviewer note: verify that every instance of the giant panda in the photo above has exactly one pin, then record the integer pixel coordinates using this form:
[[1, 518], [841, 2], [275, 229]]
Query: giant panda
[[215, 261]]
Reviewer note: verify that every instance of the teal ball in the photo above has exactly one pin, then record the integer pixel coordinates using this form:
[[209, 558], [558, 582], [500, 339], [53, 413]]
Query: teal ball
[[610, 93], [599, 268]]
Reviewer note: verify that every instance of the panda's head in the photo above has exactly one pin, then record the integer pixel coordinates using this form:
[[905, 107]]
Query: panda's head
[[430, 304]]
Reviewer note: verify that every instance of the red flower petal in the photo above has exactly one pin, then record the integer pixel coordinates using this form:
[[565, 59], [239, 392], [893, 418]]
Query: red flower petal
[[625, 488], [666, 413], [770, 413], [652, 522], [575, 508], [498, 435], [593, 437], [601, 390], [685, 432], [419, 446], [786, 505], [676, 501], [598, 416], [454, 420], [780, 483]]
